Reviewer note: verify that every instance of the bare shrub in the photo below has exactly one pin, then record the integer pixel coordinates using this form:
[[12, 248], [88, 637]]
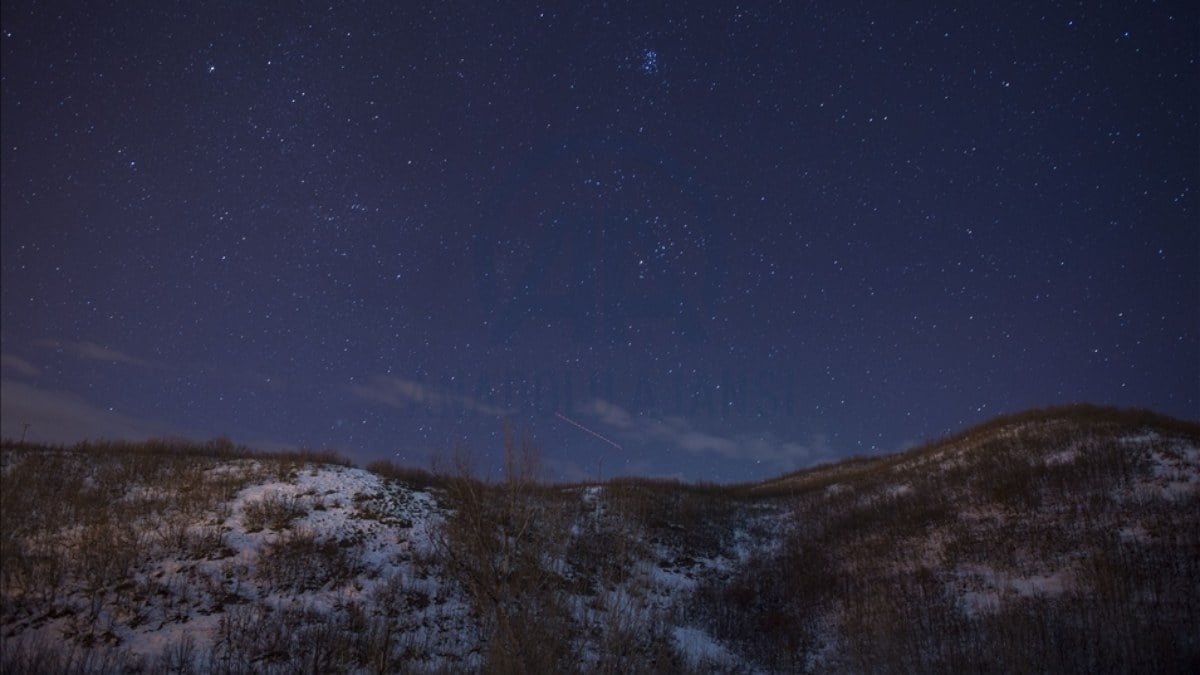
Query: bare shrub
[[301, 560], [19, 655], [179, 657], [501, 543], [417, 479], [275, 511]]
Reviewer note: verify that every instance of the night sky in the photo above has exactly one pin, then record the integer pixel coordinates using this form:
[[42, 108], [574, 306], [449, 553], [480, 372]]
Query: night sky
[[717, 242]]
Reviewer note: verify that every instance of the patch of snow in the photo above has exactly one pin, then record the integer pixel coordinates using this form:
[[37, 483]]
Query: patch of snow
[[975, 603], [1174, 474], [982, 589], [1040, 584], [1147, 437], [702, 651], [1062, 457], [1134, 533]]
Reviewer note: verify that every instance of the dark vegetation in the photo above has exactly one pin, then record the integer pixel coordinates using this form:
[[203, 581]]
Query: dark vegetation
[[1061, 540], [1040, 542]]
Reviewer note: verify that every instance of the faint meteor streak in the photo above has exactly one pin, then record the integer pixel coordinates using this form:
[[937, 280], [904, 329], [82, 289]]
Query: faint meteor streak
[[572, 422]]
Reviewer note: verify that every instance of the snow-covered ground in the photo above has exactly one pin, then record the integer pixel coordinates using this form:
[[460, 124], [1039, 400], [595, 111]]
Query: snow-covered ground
[[323, 541], [304, 566]]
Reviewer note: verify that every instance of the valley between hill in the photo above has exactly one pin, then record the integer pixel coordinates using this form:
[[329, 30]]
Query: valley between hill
[[1062, 540]]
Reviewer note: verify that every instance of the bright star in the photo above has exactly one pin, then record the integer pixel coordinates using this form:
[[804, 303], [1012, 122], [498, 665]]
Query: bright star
[[649, 62]]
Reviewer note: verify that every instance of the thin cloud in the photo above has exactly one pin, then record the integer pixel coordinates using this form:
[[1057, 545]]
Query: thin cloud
[[90, 351], [610, 414], [402, 393], [18, 365], [571, 471], [677, 432], [63, 417]]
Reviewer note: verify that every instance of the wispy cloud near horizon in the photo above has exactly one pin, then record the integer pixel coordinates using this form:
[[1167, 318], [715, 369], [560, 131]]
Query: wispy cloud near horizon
[[678, 432], [90, 351], [18, 365], [64, 417], [401, 393]]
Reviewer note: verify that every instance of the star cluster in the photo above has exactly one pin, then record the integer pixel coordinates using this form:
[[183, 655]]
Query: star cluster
[[734, 240]]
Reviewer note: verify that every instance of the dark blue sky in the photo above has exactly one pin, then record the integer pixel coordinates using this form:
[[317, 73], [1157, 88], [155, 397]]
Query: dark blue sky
[[732, 240]]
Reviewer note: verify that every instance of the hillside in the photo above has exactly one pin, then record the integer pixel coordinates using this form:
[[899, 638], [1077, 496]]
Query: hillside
[[1063, 540]]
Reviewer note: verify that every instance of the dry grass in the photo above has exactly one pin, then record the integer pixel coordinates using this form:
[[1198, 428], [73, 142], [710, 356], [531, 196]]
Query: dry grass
[[883, 550], [1037, 542]]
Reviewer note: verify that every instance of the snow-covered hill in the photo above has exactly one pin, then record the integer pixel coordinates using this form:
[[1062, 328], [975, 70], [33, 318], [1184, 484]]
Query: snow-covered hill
[[1056, 540]]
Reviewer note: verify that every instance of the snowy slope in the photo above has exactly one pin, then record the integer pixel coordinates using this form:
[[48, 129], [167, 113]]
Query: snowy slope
[[1061, 541]]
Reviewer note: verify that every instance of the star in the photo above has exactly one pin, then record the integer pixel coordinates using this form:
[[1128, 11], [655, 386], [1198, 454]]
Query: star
[[445, 224]]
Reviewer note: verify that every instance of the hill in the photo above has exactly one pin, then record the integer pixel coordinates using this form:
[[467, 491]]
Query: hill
[[1060, 540]]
